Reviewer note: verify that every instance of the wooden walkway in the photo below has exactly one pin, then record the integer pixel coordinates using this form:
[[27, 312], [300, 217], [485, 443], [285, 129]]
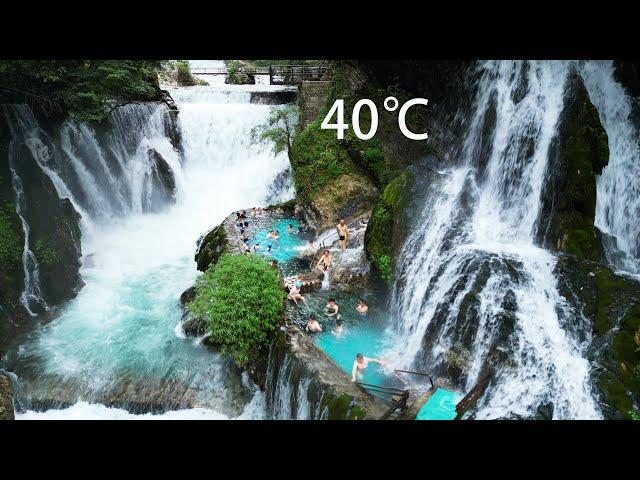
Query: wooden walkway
[[278, 74]]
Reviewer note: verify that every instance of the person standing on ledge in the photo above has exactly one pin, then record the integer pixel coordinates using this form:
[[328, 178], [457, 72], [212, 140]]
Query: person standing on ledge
[[343, 233]]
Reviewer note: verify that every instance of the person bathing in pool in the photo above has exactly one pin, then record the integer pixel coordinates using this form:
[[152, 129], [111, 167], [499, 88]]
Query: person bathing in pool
[[338, 330], [343, 233], [362, 307], [324, 263], [332, 309], [360, 365], [313, 325]]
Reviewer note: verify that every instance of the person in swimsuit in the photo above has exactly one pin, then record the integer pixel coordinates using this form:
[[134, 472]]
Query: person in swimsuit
[[294, 293], [254, 212], [343, 232], [324, 263], [332, 308], [290, 228], [312, 325], [362, 307], [360, 365]]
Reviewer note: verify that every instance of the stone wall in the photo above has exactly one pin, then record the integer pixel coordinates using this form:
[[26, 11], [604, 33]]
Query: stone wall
[[312, 97]]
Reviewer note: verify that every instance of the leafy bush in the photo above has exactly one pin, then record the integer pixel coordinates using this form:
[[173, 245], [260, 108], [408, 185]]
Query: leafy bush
[[243, 299], [184, 74]]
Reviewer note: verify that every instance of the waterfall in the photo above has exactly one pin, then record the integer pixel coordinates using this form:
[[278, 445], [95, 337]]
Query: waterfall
[[144, 204], [473, 287], [618, 188]]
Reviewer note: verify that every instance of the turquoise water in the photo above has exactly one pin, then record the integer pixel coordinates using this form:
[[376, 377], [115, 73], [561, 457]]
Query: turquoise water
[[364, 334], [285, 248], [441, 406]]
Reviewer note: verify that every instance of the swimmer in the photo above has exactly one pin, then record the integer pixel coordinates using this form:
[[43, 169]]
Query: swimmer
[[362, 307], [324, 263], [290, 228], [332, 308], [338, 329], [312, 325], [360, 364]]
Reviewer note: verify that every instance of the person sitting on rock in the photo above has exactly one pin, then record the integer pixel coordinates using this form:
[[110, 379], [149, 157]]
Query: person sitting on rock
[[362, 307], [332, 308], [360, 365], [294, 293], [302, 227], [313, 325], [254, 212], [343, 233], [324, 263]]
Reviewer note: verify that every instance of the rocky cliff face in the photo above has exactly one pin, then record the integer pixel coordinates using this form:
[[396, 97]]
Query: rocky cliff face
[[579, 152], [6, 398]]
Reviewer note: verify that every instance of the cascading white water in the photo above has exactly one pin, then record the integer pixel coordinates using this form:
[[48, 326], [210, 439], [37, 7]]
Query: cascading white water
[[475, 243], [121, 326], [618, 188]]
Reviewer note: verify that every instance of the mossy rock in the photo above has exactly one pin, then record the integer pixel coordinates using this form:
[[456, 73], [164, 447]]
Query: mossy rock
[[341, 407], [211, 247], [579, 153], [387, 216]]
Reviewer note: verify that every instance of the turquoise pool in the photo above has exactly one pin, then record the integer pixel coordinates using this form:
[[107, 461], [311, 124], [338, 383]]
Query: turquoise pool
[[285, 248], [441, 406], [364, 334]]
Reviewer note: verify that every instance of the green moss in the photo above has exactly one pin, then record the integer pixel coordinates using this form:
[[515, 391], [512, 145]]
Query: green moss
[[213, 246], [384, 218], [46, 255], [606, 283], [615, 392], [10, 240], [583, 243], [339, 407]]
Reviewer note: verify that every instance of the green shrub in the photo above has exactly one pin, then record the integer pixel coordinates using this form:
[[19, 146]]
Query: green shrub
[[184, 76], [243, 299]]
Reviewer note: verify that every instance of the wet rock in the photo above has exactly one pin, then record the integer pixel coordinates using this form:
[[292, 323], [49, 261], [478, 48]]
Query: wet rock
[[610, 304], [274, 98], [6, 398], [210, 247], [194, 325], [577, 154], [188, 295], [163, 184]]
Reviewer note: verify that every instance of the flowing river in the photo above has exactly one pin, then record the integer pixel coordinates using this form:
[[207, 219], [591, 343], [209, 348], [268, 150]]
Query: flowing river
[[119, 342]]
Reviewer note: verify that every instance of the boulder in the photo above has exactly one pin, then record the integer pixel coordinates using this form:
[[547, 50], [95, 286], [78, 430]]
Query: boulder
[[193, 325], [210, 247], [162, 188]]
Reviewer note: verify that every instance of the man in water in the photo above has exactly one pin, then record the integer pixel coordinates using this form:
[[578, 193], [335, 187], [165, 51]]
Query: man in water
[[362, 307], [313, 325], [360, 365], [332, 309], [343, 233]]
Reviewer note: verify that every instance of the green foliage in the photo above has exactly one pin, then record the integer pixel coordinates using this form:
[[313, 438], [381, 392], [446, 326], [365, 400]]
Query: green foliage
[[278, 130], [633, 415], [243, 299], [10, 241], [318, 158], [46, 255], [184, 76], [86, 89]]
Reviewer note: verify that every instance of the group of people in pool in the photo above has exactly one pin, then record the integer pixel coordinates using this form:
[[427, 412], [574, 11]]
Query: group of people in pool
[[332, 310], [242, 224]]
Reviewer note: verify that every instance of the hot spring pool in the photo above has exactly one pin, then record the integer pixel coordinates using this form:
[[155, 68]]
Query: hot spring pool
[[364, 334], [441, 406]]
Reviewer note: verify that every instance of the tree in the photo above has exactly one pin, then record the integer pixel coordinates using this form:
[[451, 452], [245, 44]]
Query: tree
[[279, 129]]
